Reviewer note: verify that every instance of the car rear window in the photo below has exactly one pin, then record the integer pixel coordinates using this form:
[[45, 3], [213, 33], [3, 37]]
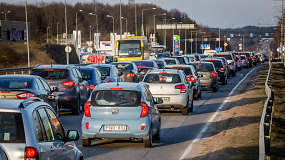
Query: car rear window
[[116, 97], [11, 128], [227, 56], [181, 60], [217, 64], [87, 74], [170, 61], [15, 83], [124, 66], [203, 67], [144, 64], [160, 64], [162, 78], [51, 73], [187, 71], [105, 71]]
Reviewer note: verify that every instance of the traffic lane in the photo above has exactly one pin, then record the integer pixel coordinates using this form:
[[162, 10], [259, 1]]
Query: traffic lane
[[176, 134]]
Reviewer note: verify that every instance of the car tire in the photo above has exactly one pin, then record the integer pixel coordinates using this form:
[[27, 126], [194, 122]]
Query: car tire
[[192, 107], [156, 137], [200, 94], [215, 89], [147, 141], [86, 142], [225, 81], [76, 110], [185, 111], [234, 74]]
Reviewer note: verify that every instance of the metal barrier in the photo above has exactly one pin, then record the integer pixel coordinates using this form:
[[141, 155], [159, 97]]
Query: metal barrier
[[16, 70], [266, 120]]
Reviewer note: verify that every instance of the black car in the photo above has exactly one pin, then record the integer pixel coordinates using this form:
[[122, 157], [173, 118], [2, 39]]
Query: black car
[[92, 76], [109, 72], [27, 86], [220, 68], [160, 63], [163, 55], [129, 70], [72, 91], [145, 65]]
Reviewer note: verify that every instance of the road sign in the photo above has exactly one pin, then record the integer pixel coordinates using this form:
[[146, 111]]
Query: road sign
[[205, 46], [240, 48], [267, 34], [89, 49], [219, 49], [232, 35], [251, 34], [226, 44], [89, 43], [67, 49]]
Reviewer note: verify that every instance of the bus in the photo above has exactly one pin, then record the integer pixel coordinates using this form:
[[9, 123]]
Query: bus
[[132, 48]]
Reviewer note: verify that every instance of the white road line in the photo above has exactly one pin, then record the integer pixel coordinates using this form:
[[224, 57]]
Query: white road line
[[199, 136]]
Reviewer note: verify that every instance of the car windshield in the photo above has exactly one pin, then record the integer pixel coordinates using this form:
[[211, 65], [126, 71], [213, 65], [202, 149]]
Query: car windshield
[[51, 73], [15, 83], [217, 64], [227, 56], [170, 61], [129, 48], [116, 97], [143, 63], [124, 66], [162, 78], [105, 71], [87, 74], [203, 67], [11, 128]]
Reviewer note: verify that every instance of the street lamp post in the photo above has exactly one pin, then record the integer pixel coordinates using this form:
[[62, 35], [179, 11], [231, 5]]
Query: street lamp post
[[5, 14], [27, 29], [57, 32], [65, 11], [136, 25], [121, 19], [154, 20], [165, 29], [191, 41], [126, 23], [76, 37], [142, 18], [90, 33], [97, 45], [113, 33], [47, 34]]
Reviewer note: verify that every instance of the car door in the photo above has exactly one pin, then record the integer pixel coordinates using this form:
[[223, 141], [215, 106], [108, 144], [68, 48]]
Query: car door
[[84, 89], [50, 97], [66, 150], [42, 93]]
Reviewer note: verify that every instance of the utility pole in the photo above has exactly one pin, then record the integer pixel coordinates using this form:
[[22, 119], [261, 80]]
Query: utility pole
[[67, 54], [27, 29], [136, 27], [121, 19]]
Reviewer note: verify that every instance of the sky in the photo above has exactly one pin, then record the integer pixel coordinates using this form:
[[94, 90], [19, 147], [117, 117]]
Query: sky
[[210, 13]]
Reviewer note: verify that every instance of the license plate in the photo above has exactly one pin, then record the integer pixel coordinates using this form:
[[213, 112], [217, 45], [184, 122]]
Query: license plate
[[166, 99], [121, 128]]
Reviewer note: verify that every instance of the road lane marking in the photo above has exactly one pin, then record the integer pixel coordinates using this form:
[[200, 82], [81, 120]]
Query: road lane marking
[[200, 135]]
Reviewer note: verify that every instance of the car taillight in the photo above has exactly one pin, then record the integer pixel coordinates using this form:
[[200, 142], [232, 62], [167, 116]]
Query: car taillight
[[144, 109], [25, 95], [182, 88], [191, 78], [109, 81], [238, 60], [68, 83], [91, 87], [222, 69], [31, 153], [67, 99], [87, 109], [131, 75], [147, 85], [213, 74], [232, 64], [149, 69], [245, 61], [87, 125], [142, 126], [248, 57]]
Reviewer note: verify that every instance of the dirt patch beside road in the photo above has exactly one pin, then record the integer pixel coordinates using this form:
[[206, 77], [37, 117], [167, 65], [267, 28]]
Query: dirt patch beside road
[[234, 134]]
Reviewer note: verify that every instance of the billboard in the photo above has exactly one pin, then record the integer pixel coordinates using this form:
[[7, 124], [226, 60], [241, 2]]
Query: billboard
[[176, 44]]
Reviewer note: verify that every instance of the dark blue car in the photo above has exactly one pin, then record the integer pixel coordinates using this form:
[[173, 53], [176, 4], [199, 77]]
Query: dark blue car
[[92, 76]]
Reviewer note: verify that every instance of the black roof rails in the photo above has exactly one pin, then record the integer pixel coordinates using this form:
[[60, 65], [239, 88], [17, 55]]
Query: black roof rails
[[26, 102]]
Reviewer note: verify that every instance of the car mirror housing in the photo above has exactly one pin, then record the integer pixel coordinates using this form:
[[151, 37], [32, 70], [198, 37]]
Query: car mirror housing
[[72, 135]]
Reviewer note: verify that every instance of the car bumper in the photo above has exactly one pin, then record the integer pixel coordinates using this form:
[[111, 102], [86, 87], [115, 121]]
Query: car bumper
[[209, 82], [66, 99], [96, 128], [175, 101]]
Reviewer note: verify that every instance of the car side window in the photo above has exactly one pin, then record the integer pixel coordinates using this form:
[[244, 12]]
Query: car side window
[[56, 126], [74, 73], [98, 75], [148, 94], [46, 124], [78, 73], [46, 86], [40, 85], [38, 127], [115, 72], [184, 78]]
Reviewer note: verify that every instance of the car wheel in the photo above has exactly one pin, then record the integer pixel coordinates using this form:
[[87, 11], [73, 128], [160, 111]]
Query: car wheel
[[196, 96], [76, 110], [86, 142], [185, 111], [234, 74], [148, 140], [215, 89], [224, 81], [192, 107], [57, 109], [156, 137]]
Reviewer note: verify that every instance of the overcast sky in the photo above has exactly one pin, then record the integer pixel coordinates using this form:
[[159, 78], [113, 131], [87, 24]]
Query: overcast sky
[[212, 13]]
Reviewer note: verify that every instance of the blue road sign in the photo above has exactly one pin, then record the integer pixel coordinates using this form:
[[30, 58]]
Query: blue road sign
[[205, 46], [232, 35], [219, 49], [267, 34], [251, 34]]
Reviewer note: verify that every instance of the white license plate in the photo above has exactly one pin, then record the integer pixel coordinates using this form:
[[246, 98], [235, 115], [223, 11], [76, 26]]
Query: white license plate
[[166, 99], [115, 128]]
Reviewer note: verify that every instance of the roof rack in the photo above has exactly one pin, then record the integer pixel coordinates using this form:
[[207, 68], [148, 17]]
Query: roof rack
[[28, 101]]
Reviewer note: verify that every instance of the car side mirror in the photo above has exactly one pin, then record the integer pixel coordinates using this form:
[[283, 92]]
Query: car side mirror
[[158, 100], [103, 77], [72, 135], [55, 89]]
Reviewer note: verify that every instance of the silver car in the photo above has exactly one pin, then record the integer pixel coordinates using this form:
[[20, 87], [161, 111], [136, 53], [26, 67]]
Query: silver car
[[173, 87], [171, 61], [30, 129], [121, 111]]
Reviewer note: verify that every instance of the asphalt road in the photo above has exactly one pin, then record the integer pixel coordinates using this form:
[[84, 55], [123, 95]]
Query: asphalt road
[[178, 131]]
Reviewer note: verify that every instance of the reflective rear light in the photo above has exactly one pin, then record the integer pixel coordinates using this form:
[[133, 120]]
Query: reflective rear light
[[31, 153], [191, 78], [49, 69], [131, 75], [222, 69], [162, 72], [238, 60], [87, 125], [67, 99], [25, 95], [5, 92], [68, 83], [87, 109], [91, 87], [213, 74], [109, 81], [149, 69], [144, 109], [245, 61], [248, 57], [116, 88], [182, 88], [142, 126]]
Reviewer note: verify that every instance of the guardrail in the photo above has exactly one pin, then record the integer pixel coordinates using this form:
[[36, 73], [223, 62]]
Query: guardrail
[[266, 120], [16, 70]]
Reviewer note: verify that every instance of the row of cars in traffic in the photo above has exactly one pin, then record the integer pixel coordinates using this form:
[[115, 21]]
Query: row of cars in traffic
[[120, 99]]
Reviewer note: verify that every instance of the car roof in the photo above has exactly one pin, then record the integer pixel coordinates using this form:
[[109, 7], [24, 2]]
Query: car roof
[[124, 86], [178, 66], [57, 66], [164, 70], [168, 58], [222, 53], [209, 58], [87, 68], [19, 76], [143, 61], [122, 62], [100, 65]]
